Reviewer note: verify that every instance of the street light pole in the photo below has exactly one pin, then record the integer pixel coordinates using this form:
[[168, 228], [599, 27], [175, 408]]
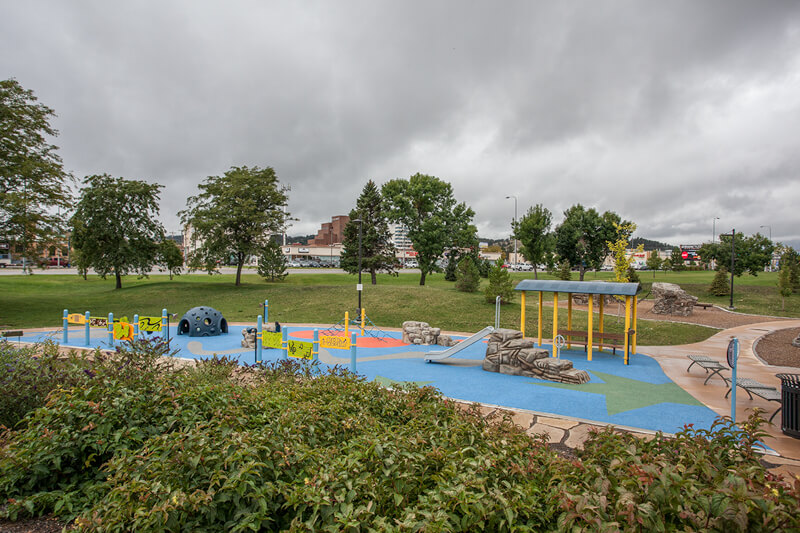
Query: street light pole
[[330, 242], [714, 229], [770, 231], [360, 286], [514, 223], [733, 256]]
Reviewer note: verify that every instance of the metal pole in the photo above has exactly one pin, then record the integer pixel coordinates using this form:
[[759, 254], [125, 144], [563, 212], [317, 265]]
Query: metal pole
[[770, 231], [714, 229], [65, 326], [259, 333], [514, 222], [111, 329], [353, 352], [360, 286], [87, 338], [733, 255]]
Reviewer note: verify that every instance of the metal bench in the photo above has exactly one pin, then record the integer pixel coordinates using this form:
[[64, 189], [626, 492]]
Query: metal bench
[[712, 368], [697, 358], [704, 305]]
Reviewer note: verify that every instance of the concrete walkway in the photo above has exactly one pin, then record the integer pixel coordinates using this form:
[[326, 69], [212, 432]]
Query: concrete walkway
[[674, 363]]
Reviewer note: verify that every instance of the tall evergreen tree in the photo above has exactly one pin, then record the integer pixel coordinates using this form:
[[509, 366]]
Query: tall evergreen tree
[[33, 182], [271, 262], [377, 250], [784, 285], [676, 260]]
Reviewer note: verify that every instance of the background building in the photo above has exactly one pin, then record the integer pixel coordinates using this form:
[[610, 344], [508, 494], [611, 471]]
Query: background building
[[331, 232]]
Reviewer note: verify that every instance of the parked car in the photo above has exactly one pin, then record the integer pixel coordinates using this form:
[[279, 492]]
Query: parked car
[[58, 261]]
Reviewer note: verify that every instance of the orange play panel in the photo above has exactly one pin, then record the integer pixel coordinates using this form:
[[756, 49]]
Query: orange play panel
[[361, 342]]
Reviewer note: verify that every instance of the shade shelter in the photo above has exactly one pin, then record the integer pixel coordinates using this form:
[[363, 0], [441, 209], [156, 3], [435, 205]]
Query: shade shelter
[[590, 337]]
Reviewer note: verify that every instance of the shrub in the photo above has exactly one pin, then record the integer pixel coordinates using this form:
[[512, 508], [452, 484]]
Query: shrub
[[468, 276], [564, 272], [277, 450], [272, 263], [719, 285], [499, 284], [30, 373]]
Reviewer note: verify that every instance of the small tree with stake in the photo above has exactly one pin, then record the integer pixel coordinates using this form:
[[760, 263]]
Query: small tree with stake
[[272, 262], [499, 284], [720, 285], [468, 276], [784, 285]]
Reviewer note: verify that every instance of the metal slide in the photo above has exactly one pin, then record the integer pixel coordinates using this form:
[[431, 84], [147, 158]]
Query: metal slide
[[469, 341]]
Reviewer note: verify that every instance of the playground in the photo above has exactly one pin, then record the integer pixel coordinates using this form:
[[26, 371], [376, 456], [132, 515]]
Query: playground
[[636, 395]]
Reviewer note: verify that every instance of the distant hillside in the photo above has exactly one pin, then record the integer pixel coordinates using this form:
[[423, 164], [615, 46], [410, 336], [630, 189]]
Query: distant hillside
[[299, 239], [650, 245]]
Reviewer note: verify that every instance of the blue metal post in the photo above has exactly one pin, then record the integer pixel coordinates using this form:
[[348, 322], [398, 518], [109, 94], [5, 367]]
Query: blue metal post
[[315, 348], [111, 329], [164, 325], [285, 343], [353, 353], [87, 333], [65, 325], [135, 328], [259, 333], [266, 311], [733, 378]]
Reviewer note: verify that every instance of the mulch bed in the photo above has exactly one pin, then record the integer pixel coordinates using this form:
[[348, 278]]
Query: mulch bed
[[43, 524], [776, 348]]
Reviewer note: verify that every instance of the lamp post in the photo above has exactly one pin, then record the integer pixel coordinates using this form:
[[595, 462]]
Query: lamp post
[[513, 224], [714, 229], [359, 286], [330, 242], [732, 235], [770, 231]]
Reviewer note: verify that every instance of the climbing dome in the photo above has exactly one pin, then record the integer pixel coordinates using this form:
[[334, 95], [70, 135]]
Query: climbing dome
[[202, 322]]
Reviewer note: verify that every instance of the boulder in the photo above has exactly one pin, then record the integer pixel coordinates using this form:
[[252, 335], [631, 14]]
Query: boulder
[[509, 353], [670, 299], [796, 341]]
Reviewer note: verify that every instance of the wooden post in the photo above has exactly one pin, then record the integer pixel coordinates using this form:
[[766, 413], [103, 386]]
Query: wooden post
[[602, 299], [555, 322], [627, 325], [569, 317], [541, 298], [635, 325], [589, 329]]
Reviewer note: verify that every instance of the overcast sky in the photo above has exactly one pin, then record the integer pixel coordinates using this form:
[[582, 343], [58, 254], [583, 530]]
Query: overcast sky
[[669, 113]]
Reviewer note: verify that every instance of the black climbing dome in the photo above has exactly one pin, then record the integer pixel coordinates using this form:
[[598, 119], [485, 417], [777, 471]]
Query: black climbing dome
[[202, 322]]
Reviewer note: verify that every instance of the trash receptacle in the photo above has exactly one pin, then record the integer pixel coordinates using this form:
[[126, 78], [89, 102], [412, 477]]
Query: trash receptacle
[[790, 404]]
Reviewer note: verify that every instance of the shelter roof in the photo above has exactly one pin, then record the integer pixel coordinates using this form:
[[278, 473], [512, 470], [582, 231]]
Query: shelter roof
[[585, 287]]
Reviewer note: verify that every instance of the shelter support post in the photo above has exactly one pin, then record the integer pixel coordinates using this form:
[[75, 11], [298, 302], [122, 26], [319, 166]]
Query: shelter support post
[[627, 325], [635, 323], [601, 321], [541, 298], [569, 317], [589, 329], [555, 322], [522, 315]]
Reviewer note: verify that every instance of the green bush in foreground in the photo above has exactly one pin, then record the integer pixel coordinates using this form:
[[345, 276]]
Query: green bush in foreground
[[287, 447]]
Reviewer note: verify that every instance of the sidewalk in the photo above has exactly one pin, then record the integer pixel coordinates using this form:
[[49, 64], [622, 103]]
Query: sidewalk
[[674, 363]]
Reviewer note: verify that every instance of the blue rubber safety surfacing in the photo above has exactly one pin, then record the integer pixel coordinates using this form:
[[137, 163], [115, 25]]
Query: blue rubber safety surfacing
[[638, 395]]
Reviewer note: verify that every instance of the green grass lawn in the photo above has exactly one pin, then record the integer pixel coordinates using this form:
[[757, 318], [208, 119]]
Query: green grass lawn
[[38, 300]]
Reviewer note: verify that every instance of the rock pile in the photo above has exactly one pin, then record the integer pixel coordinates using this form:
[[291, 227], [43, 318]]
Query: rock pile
[[670, 299], [422, 333], [509, 353], [796, 341]]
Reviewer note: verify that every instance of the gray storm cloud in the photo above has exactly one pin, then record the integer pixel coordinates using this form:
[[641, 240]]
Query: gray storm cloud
[[669, 113]]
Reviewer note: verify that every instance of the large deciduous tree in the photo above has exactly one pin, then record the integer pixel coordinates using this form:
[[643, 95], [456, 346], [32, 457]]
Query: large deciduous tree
[[377, 249], [234, 216], [33, 182], [752, 254], [533, 230], [581, 239], [435, 220], [115, 227]]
